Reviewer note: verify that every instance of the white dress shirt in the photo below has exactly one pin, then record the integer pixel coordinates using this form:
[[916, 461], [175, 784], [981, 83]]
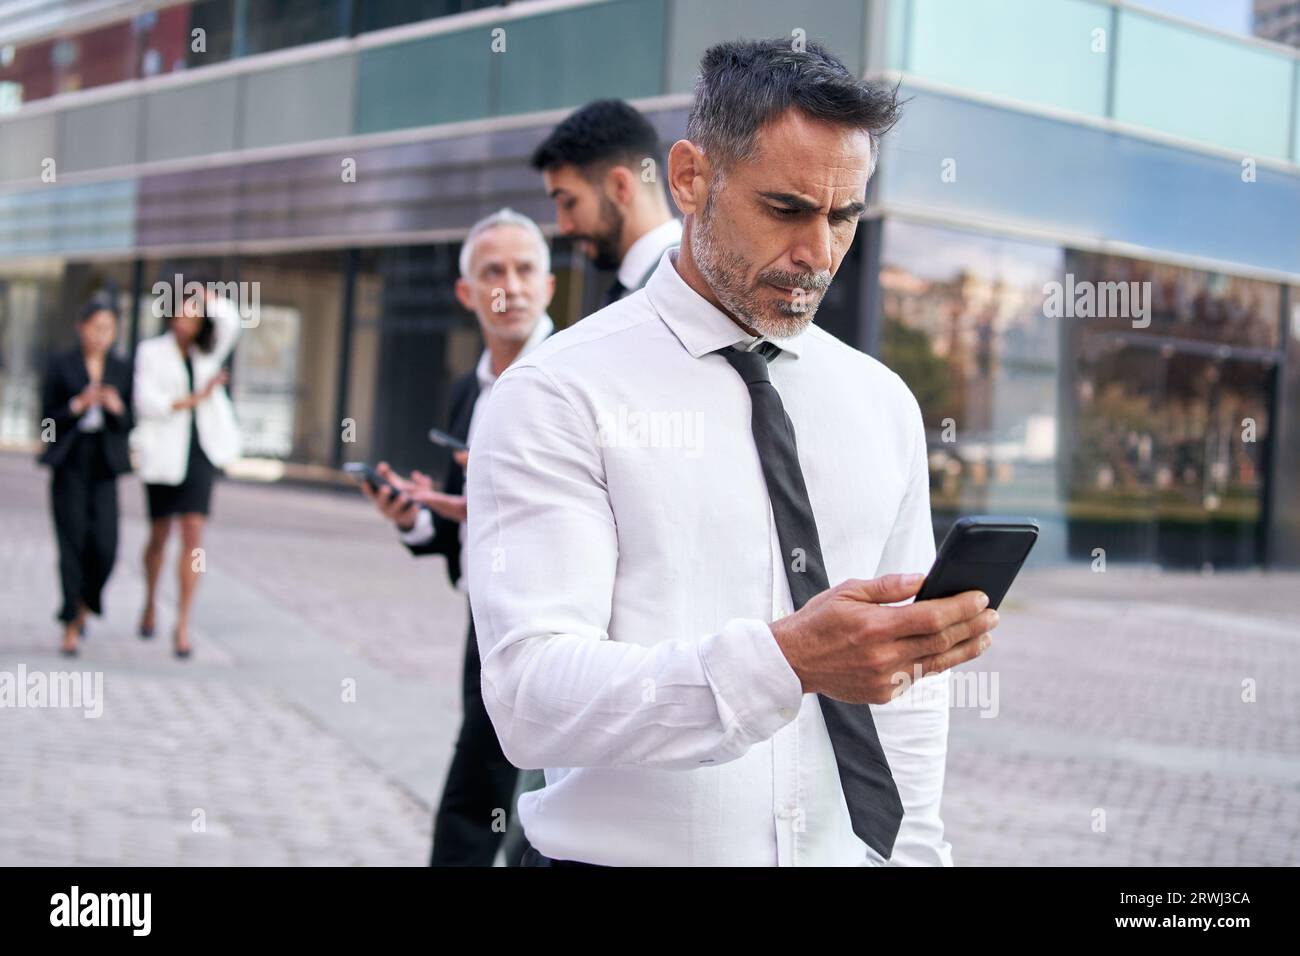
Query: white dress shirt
[[422, 531], [625, 567], [643, 254]]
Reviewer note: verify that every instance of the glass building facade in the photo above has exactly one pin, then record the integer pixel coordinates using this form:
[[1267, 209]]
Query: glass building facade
[[1048, 147]]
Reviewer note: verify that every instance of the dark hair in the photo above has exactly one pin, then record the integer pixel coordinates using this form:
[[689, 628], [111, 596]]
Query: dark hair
[[745, 84], [100, 302], [206, 337], [598, 135]]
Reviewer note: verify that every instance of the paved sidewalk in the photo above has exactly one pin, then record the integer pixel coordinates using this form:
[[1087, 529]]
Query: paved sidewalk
[[1118, 703], [1121, 736], [252, 735]]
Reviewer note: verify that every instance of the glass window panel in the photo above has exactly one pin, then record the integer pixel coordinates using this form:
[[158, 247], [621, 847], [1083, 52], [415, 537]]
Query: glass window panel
[[298, 103], [97, 58], [1145, 444], [27, 74], [962, 323], [565, 59], [276, 24], [439, 79], [1202, 86], [1168, 433], [1180, 302], [392, 13], [190, 120], [216, 42], [1040, 51], [25, 144], [1046, 173], [698, 24], [100, 135]]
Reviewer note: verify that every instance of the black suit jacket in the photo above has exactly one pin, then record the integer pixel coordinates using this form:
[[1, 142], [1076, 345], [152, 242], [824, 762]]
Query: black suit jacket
[[66, 376], [446, 533]]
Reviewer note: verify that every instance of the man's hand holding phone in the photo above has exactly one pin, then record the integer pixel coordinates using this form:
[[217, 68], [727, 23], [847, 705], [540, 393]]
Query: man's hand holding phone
[[392, 497], [399, 499], [849, 643]]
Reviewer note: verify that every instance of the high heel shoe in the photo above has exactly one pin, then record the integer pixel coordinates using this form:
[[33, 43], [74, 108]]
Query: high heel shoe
[[144, 632], [180, 652]]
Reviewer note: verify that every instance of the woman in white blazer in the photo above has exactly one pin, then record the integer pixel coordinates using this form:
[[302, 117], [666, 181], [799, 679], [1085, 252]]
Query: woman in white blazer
[[185, 432]]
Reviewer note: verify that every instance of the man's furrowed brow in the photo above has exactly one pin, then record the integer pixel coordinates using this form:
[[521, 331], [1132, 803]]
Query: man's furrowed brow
[[803, 203]]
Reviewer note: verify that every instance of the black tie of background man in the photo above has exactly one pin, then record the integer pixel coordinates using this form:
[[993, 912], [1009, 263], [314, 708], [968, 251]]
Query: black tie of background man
[[874, 805]]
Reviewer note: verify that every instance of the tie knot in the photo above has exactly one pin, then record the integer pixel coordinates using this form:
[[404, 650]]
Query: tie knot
[[751, 365]]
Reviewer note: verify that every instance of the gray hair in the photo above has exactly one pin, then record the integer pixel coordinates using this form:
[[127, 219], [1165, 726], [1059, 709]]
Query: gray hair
[[744, 84], [502, 217]]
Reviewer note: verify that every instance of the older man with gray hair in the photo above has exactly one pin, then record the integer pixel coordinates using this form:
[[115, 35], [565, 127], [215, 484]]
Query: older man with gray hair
[[506, 281]]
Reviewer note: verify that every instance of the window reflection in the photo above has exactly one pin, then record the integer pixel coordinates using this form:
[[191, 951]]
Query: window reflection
[[1131, 440], [962, 323], [1188, 303]]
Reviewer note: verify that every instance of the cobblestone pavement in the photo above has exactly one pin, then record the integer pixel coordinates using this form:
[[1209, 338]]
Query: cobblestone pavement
[[1105, 726]]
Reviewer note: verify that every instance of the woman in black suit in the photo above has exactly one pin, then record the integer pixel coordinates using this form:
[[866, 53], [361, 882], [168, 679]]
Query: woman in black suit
[[86, 418]]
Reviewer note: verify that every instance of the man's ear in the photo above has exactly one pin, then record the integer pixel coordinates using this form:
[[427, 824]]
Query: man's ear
[[464, 295], [689, 171], [620, 185]]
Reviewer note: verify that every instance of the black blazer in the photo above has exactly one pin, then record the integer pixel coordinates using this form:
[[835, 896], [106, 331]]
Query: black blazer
[[446, 533], [65, 376]]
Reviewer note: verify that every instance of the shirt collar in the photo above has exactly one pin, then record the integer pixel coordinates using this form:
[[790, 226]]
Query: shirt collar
[[645, 252], [699, 325], [483, 370]]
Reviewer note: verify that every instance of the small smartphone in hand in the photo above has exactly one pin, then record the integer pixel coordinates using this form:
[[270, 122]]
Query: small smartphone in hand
[[980, 553], [366, 473]]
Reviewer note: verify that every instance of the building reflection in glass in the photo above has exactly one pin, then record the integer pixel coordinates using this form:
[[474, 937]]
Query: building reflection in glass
[[962, 323], [1138, 434]]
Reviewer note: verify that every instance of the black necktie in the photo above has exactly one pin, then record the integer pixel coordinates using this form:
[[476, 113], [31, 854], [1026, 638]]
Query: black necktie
[[874, 806], [615, 292]]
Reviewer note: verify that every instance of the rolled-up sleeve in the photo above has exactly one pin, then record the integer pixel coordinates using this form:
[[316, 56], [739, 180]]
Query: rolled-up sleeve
[[913, 727], [543, 554]]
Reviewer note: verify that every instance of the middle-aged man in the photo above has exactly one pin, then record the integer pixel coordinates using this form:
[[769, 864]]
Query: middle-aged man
[[506, 281], [601, 166], [697, 631]]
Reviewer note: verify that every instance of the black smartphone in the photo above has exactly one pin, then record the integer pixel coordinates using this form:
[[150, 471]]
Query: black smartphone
[[439, 437], [366, 473], [980, 553]]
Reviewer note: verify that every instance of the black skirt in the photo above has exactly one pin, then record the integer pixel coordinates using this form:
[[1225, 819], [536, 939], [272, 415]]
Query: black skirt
[[191, 496]]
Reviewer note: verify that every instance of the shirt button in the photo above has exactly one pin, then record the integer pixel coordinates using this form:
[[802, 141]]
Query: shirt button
[[786, 713]]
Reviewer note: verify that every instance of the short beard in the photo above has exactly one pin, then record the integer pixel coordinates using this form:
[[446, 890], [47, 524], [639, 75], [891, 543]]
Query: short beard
[[606, 255], [725, 271]]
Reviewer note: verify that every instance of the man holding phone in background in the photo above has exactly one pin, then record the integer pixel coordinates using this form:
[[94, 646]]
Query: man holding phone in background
[[506, 281]]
